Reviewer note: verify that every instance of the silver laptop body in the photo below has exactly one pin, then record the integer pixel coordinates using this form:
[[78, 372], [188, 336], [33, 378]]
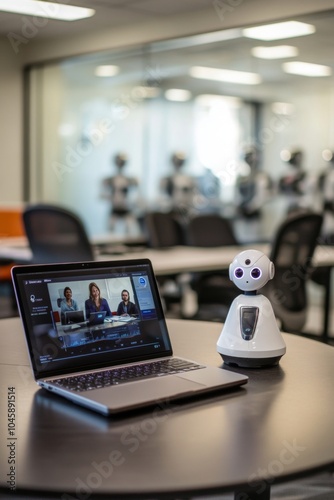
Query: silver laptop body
[[61, 358]]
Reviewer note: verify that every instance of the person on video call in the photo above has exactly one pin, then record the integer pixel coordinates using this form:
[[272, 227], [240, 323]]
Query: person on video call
[[125, 307], [96, 303], [68, 303]]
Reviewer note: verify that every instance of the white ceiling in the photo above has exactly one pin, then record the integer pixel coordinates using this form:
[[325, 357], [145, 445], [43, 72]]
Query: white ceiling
[[109, 13], [233, 54]]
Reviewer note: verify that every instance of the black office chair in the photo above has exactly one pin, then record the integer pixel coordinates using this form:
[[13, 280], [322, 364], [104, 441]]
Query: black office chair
[[210, 230], [292, 251], [215, 291], [163, 229], [56, 234]]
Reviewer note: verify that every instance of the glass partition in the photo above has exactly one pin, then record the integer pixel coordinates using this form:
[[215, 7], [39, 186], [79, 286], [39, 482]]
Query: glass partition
[[172, 109]]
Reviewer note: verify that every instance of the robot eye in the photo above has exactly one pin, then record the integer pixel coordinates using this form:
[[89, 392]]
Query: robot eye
[[256, 273], [238, 273]]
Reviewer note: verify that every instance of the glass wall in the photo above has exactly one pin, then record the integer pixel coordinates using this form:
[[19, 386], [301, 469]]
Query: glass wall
[[148, 113]]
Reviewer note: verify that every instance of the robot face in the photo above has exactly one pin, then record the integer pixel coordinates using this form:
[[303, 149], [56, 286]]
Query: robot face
[[251, 270]]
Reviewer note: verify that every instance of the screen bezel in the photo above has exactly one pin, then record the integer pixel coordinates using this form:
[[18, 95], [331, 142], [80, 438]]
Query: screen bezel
[[19, 273]]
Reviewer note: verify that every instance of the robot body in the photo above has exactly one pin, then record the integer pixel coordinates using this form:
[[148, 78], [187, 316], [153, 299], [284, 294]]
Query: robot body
[[250, 336]]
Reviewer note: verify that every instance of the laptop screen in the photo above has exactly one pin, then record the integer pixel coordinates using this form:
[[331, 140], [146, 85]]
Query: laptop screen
[[118, 304]]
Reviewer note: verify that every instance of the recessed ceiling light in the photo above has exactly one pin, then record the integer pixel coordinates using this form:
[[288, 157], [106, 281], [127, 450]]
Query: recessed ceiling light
[[50, 10], [106, 70], [214, 99], [225, 75], [180, 95], [277, 52], [278, 31], [306, 69]]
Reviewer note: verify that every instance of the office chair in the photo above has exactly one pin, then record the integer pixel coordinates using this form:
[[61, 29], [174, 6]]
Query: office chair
[[56, 234], [163, 230], [291, 252], [215, 291], [210, 230]]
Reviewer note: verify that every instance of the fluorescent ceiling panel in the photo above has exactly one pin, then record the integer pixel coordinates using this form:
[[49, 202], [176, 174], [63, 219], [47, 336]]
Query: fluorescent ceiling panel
[[106, 70], [306, 69], [46, 9], [277, 52], [225, 75], [278, 31], [179, 95]]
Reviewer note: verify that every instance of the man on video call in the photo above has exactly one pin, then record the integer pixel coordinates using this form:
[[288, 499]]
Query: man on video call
[[126, 307]]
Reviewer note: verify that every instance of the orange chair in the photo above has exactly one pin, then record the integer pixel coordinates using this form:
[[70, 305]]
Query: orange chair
[[11, 225]]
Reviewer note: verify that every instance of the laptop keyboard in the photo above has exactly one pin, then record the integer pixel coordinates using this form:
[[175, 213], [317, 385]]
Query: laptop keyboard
[[116, 376]]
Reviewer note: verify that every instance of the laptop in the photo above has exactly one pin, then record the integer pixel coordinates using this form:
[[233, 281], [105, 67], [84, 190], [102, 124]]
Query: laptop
[[73, 320], [97, 318], [121, 366]]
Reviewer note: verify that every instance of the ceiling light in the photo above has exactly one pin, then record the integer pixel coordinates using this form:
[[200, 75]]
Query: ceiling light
[[145, 92], [306, 69], [46, 9], [213, 100], [277, 52], [180, 95], [282, 108], [278, 31], [327, 154], [106, 70], [225, 75]]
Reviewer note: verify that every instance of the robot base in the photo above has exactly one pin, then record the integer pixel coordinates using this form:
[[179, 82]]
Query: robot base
[[250, 362]]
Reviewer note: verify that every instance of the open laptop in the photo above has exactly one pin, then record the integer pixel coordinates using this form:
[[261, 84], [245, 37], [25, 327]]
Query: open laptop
[[73, 320], [97, 318], [91, 368]]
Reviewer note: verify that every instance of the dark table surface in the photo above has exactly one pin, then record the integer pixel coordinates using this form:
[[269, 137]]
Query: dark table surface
[[277, 427]]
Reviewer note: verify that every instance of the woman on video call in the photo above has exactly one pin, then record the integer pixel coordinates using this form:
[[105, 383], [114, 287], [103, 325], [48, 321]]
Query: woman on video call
[[96, 303]]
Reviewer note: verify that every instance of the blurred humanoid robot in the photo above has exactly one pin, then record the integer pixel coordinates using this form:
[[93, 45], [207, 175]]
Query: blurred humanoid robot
[[180, 188], [117, 189], [254, 186], [297, 186], [326, 185]]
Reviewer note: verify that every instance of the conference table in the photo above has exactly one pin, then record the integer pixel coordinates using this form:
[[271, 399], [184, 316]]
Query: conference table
[[276, 428], [180, 260]]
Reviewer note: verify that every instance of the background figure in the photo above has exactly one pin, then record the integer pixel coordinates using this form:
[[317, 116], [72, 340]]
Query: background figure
[[118, 189], [254, 187], [180, 188], [298, 187], [326, 186]]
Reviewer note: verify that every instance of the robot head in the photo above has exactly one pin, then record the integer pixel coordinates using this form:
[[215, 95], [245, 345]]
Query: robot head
[[251, 270]]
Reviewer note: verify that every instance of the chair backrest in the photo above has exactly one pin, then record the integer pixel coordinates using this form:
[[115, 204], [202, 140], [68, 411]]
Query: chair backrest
[[296, 239], [56, 234], [210, 230], [292, 253], [163, 230]]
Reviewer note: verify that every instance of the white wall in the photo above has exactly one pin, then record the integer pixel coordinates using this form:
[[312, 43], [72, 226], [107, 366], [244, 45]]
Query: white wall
[[11, 125]]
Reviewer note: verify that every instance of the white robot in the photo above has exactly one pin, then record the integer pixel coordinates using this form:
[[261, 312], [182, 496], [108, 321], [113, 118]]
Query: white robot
[[250, 336]]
